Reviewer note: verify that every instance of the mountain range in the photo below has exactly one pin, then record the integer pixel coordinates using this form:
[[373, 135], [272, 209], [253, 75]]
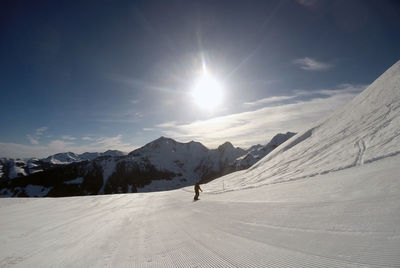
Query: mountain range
[[11, 168], [162, 164]]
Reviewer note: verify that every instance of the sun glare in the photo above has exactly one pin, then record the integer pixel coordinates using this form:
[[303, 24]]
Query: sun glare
[[207, 92]]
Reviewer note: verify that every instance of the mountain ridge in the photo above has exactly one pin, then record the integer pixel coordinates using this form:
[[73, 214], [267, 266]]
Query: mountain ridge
[[164, 163]]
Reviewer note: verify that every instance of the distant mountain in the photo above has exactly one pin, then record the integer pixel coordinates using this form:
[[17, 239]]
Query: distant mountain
[[162, 164], [219, 161], [12, 168], [63, 158], [256, 152], [69, 157]]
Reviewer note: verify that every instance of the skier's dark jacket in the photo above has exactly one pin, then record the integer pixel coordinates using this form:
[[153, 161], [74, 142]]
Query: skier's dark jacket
[[197, 188]]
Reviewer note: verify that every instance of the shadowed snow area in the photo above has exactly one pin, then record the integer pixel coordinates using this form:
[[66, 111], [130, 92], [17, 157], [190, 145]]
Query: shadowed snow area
[[328, 197]]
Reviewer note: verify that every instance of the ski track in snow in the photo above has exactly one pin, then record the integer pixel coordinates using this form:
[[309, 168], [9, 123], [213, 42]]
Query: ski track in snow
[[361, 152], [326, 221]]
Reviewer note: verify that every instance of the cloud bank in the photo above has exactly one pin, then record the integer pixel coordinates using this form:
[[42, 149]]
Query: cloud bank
[[260, 125], [309, 64], [64, 144]]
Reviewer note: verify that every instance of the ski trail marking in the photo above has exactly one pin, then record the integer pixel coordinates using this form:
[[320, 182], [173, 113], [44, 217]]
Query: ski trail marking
[[361, 152]]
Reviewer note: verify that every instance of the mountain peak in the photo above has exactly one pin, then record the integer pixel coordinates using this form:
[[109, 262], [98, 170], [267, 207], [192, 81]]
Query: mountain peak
[[163, 139], [225, 145], [280, 138]]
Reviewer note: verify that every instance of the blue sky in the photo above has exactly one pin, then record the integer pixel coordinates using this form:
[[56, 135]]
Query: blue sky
[[97, 75]]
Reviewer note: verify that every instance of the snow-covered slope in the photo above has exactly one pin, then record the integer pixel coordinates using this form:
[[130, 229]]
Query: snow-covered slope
[[365, 130], [347, 218]]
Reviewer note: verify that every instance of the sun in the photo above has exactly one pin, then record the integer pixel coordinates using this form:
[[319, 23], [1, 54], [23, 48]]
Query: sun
[[207, 92]]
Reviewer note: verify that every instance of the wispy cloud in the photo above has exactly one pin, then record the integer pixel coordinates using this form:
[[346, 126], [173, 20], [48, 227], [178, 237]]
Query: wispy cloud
[[310, 64], [68, 138], [269, 100], [340, 89], [167, 124], [99, 144], [258, 126], [32, 140], [40, 131]]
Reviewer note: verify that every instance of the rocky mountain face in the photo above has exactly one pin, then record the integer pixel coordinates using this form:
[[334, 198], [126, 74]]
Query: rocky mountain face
[[256, 152], [12, 168], [162, 164], [69, 157]]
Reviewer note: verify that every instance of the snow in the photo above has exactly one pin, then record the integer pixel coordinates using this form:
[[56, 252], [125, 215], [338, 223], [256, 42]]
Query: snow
[[17, 168], [328, 197], [161, 151], [32, 165], [256, 152], [108, 169], [69, 157], [63, 158], [347, 218]]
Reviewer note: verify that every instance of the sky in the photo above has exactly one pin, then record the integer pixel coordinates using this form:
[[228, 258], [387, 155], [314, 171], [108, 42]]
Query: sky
[[96, 75]]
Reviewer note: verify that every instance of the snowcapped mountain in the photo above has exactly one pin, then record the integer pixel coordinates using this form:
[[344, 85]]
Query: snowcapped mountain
[[365, 130], [168, 154], [63, 158], [256, 152], [162, 164], [69, 157], [12, 168], [219, 161]]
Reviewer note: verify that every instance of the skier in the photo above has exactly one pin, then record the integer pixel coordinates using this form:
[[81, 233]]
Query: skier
[[196, 189]]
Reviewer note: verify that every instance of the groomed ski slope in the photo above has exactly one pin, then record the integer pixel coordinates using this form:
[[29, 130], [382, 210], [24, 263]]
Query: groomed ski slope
[[328, 197], [348, 218]]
